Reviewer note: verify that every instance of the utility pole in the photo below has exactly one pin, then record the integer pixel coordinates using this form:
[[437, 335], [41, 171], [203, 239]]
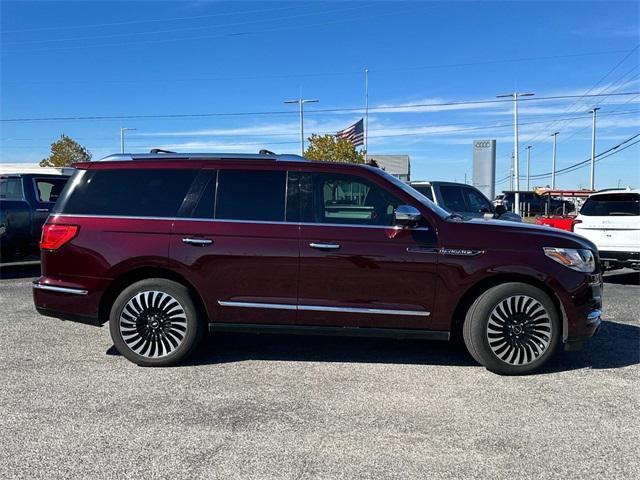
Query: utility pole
[[515, 96], [301, 101], [553, 161], [511, 174], [528, 167], [366, 111], [122, 130], [593, 148]]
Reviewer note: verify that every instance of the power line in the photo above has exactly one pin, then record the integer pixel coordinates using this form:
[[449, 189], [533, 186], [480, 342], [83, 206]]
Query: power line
[[138, 22], [308, 74], [288, 112]]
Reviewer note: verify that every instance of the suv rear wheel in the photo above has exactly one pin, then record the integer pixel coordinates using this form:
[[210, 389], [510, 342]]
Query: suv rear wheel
[[512, 328], [154, 322]]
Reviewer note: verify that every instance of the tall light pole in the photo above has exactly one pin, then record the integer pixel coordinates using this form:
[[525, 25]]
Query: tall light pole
[[593, 148], [528, 165], [515, 96], [366, 111], [122, 130], [301, 101], [553, 161]]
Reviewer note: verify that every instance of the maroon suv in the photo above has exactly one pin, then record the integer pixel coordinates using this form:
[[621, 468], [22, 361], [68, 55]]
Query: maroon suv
[[164, 246]]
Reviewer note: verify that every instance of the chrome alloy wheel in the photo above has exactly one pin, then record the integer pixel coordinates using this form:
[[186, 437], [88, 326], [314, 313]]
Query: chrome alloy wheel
[[153, 324], [519, 330]]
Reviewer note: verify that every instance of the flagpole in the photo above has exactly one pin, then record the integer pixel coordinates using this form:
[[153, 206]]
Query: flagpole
[[366, 111]]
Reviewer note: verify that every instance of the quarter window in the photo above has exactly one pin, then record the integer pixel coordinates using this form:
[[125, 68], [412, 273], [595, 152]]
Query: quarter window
[[126, 192], [345, 199], [251, 195]]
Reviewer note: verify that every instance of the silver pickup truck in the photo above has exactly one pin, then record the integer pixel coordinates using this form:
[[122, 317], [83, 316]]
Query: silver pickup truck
[[463, 199]]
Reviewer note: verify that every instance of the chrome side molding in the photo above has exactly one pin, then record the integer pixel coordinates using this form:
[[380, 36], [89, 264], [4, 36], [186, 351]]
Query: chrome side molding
[[320, 308]]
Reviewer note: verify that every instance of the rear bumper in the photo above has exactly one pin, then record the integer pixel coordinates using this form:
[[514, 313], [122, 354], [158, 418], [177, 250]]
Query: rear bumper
[[618, 258], [585, 316], [68, 301]]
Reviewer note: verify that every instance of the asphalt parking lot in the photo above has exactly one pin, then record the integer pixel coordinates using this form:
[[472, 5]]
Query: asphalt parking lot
[[312, 407]]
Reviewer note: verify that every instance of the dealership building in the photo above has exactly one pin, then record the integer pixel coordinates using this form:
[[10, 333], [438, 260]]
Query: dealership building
[[397, 165]]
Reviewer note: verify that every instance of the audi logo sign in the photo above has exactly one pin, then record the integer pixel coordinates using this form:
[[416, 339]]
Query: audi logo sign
[[482, 144]]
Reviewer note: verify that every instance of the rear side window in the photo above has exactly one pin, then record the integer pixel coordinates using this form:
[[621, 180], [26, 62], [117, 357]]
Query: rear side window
[[126, 192], [49, 189], [11, 189], [424, 190], [251, 195], [620, 204]]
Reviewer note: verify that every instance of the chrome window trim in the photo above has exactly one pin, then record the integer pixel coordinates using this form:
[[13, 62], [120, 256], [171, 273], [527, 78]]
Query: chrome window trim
[[319, 308], [52, 288], [262, 222]]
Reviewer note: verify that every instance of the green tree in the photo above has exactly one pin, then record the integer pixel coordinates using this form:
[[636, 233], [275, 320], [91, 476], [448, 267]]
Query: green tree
[[64, 152], [329, 148]]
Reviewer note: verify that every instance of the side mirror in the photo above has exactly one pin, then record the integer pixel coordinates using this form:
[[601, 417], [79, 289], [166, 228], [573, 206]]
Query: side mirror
[[500, 210], [406, 216]]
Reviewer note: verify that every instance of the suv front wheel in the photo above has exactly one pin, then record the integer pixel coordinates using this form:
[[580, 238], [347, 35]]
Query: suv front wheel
[[512, 328], [154, 322]]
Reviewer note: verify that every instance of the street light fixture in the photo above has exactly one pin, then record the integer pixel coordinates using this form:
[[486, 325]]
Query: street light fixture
[[515, 97], [301, 101], [122, 130]]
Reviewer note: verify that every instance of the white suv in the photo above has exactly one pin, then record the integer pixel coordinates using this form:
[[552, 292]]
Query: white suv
[[611, 220]]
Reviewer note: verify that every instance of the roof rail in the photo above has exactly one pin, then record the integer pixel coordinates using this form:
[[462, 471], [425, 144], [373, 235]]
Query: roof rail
[[159, 154]]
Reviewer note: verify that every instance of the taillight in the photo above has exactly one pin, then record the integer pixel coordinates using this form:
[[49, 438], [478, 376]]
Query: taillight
[[573, 224], [55, 236]]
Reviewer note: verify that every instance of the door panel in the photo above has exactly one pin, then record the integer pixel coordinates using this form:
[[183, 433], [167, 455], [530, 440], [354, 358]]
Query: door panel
[[355, 268], [383, 269], [246, 263]]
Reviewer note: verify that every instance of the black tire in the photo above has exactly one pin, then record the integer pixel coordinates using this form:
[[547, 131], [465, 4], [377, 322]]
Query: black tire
[[154, 323], [512, 329]]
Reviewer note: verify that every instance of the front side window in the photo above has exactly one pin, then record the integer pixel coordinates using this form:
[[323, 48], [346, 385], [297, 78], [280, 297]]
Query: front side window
[[257, 195], [476, 202], [11, 188], [345, 199], [126, 192], [452, 198], [620, 204], [49, 189]]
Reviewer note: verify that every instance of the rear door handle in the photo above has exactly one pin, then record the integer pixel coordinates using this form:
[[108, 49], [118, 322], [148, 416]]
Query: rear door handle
[[197, 241], [325, 246]]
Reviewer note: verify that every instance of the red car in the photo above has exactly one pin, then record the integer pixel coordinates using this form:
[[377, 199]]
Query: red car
[[164, 246]]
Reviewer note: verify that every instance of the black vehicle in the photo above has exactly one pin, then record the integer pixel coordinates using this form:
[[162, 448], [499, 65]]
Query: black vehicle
[[25, 202], [463, 199], [534, 204]]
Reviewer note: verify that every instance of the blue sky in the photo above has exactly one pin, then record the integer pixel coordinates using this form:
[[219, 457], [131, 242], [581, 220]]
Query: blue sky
[[71, 59]]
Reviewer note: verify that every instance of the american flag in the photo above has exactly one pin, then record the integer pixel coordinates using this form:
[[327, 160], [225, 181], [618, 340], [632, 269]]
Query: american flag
[[354, 133]]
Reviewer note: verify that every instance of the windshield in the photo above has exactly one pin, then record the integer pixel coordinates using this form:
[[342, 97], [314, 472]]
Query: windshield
[[616, 204], [413, 192]]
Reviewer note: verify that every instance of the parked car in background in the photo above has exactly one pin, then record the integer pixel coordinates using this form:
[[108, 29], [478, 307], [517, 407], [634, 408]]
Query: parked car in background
[[25, 202], [463, 199], [534, 204], [165, 246], [611, 220]]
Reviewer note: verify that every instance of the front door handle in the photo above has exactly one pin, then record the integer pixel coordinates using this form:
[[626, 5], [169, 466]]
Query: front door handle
[[325, 246], [197, 241]]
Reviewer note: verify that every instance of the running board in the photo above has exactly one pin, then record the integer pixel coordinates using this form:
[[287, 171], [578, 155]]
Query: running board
[[331, 331]]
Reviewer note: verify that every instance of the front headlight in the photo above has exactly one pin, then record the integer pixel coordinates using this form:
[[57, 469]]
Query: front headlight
[[578, 259]]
